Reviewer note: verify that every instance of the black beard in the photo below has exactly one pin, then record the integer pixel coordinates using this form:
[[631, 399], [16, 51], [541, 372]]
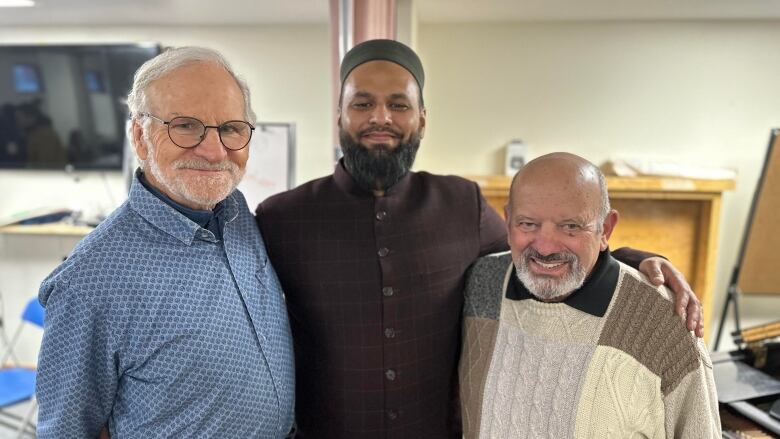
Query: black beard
[[380, 167]]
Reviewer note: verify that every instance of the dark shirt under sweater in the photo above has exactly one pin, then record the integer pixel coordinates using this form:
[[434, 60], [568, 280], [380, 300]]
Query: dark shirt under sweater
[[374, 290]]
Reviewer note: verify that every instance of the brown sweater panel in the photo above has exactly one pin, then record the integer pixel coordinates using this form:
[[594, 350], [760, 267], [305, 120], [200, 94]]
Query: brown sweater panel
[[642, 324]]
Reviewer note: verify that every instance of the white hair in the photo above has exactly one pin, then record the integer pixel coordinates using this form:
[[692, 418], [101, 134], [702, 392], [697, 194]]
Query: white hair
[[166, 62]]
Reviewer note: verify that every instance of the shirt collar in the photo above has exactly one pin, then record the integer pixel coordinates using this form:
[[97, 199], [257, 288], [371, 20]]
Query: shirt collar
[[593, 297], [345, 181], [167, 217]]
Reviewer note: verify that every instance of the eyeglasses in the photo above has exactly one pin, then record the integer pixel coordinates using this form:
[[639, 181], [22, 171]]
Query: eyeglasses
[[188, 132]]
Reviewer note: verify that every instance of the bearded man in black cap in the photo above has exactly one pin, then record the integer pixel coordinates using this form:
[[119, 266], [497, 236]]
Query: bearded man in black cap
[[372, 261]]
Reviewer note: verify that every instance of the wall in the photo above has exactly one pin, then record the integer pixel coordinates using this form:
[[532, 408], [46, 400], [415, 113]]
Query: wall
[[24, 262], [702, 93]]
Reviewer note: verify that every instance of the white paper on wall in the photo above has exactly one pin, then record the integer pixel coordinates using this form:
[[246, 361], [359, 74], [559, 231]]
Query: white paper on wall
[[270, 168]]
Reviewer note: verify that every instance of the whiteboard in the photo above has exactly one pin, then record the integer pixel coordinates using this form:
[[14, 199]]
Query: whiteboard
[[271, 165]]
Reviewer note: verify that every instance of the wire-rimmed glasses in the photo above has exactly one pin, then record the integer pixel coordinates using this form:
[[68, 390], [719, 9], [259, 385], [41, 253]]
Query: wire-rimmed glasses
[[189, 132]]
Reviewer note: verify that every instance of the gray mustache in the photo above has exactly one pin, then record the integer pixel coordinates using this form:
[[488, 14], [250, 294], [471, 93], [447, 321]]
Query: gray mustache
[[560, 256], [204, 165]]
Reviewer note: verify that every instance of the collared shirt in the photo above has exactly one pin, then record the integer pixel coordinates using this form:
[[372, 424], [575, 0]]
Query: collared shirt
[[158, 329], [374, 293]]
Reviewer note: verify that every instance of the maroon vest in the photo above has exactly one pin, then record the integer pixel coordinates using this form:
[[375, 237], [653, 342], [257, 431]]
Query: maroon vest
[[374, 290]]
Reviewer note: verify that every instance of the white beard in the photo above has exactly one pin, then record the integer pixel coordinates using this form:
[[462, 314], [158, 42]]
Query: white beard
[[201, 191], [550, 288]]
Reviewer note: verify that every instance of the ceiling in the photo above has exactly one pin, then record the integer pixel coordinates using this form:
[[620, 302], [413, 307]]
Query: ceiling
[[528, 10], [247, 12]]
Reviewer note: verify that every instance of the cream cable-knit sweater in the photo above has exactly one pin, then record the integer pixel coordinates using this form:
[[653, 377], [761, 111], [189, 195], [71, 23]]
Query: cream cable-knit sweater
[[548, 370]]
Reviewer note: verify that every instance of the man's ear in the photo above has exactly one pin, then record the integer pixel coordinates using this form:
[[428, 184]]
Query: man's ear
[[138, 141], [609, 225], [506, 221], [423, 116]]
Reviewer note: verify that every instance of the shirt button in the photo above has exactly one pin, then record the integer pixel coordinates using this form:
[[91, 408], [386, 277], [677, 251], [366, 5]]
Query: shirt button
[[387, 291], [381, 215], [389, 332], [390, 374], [384, 251], [392, 415]]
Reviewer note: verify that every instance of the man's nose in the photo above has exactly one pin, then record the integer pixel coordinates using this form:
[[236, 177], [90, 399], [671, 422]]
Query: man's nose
[[381, 115], [546, 241], [211, 148]]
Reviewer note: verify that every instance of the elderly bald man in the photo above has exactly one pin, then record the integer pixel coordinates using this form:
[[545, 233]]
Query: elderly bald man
[[561, 340]]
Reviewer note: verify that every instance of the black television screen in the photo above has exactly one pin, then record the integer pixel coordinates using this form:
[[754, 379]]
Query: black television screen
[[65, 105]]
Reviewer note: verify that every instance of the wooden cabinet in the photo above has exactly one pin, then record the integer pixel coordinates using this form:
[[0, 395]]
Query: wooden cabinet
[[675, 217]]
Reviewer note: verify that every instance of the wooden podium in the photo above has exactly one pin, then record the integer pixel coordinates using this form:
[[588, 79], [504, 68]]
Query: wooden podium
[[674, 217]]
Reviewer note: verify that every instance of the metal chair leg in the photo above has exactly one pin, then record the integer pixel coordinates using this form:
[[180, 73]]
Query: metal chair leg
[[26, 421]]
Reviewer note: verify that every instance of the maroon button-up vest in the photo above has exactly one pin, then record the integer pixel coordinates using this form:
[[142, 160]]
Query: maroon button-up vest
[[374, 293]]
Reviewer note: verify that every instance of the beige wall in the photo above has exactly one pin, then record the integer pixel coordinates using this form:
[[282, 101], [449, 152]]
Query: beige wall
[[691, 92]]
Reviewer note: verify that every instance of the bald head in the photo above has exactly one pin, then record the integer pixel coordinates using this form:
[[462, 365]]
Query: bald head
[[558, 222], [564, 171]]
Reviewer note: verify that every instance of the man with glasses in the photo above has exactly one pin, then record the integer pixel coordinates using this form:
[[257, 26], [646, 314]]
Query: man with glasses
[[168, 319]]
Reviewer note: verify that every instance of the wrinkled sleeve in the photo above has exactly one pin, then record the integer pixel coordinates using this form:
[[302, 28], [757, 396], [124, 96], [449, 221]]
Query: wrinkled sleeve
[[492, 228], [77, 374]]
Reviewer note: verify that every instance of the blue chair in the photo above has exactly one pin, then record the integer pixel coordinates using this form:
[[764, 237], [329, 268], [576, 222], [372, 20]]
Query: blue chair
[[17, 384]]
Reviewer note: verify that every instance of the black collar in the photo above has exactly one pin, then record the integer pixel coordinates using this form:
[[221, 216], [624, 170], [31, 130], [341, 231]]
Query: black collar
[[594, 295]]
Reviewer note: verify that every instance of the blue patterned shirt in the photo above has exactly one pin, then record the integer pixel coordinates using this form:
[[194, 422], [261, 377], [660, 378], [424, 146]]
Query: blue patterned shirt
[[156, 328]]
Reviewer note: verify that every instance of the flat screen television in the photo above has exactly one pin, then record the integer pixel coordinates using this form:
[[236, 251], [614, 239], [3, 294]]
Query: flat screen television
[[63, 106]]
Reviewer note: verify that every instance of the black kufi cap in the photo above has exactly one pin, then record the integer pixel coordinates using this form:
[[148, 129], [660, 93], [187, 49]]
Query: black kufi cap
[[386, 50]]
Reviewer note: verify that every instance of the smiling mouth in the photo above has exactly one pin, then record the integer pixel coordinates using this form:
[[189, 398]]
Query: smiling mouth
[[554, 267], [551, 265]]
